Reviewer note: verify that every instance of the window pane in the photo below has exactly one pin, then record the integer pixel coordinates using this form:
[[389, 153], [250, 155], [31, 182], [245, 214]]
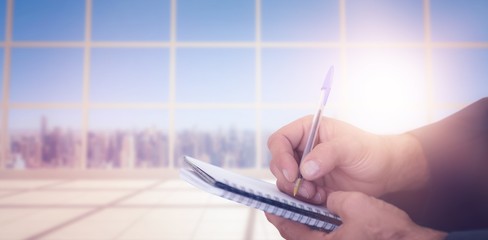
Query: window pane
[[44, 139], [215, 75], [384, 20], [131, 20], [127, 139], [459, 20], [46, 74], [215, 20], [49, 20], [223, 137], [129, 75], [296, 75], [3, 17], [387, 84], [459, 75], [306, 20]]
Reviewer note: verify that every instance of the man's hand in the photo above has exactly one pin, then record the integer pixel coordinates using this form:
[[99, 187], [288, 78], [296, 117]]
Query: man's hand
[[346, 159], [364, 217]]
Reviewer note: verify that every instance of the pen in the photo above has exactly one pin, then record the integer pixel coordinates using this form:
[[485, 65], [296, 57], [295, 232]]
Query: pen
[[324, 94]]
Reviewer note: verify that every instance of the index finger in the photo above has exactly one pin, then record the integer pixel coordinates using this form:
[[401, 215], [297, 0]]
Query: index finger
[[284, 145]]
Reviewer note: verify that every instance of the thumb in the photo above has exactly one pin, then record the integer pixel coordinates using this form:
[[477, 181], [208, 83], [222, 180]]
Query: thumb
[[328, 155], [346, 203]]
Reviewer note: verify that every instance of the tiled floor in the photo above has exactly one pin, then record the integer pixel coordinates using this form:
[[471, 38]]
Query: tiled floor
[[123, 209]]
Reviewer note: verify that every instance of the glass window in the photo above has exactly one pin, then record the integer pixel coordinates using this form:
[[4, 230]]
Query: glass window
[[215, 75], [129, 75], [223, 137], [44, 139], [384, 20], [127, 139], [296, 75], [459, 75], [46, 74], [309, 20], [131, 20], [215, 20], [459, 20], [387, 84], [3, 17], [49, 20]]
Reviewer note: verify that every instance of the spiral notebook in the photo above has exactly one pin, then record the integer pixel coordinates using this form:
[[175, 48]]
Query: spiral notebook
[[257, 194]]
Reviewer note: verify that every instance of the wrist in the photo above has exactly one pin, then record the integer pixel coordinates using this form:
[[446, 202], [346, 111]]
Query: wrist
[[410, 168]]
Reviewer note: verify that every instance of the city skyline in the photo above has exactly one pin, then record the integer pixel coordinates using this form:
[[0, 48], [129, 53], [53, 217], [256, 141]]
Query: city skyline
[[51, 146]]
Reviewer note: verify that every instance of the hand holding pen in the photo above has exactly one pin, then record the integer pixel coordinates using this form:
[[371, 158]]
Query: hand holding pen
[[324, 95]]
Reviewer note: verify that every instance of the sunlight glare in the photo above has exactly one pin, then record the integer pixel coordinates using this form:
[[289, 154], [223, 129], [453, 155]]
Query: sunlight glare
[[387, 90]]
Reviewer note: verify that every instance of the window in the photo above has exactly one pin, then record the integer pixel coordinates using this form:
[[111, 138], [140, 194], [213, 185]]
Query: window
[[46, 75], [125, 138], [49, 20], [131, 20], [309, 20], [214, 20], [129, 75], [384, 20], [459, 75], [215, 75], [44, 139], [294, 75], [138, 84], [457, 20]]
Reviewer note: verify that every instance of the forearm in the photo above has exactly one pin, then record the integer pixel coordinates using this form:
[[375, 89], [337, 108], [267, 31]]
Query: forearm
[[447, 147], [455, 196]]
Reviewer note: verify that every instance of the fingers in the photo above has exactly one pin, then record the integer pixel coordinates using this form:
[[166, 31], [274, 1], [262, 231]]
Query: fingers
[[284, 166], [283, 145], [308, 191], [328, 155], [346, 204]]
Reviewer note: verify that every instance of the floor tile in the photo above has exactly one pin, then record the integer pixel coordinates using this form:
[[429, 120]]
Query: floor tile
[[167, 223], [41, 198], [146, 197], [8, 215], [83, 209], [26, 184], [185, 198], [63, 198], [175, 184], [106, 224], [223, 223], [37, 222]]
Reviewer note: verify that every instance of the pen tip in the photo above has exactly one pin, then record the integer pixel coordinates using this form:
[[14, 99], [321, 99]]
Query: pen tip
[[295, 188]]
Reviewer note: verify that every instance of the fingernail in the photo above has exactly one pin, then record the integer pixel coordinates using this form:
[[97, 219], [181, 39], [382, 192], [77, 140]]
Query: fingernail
[[287, 176], [303, 192], [310, 168]]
